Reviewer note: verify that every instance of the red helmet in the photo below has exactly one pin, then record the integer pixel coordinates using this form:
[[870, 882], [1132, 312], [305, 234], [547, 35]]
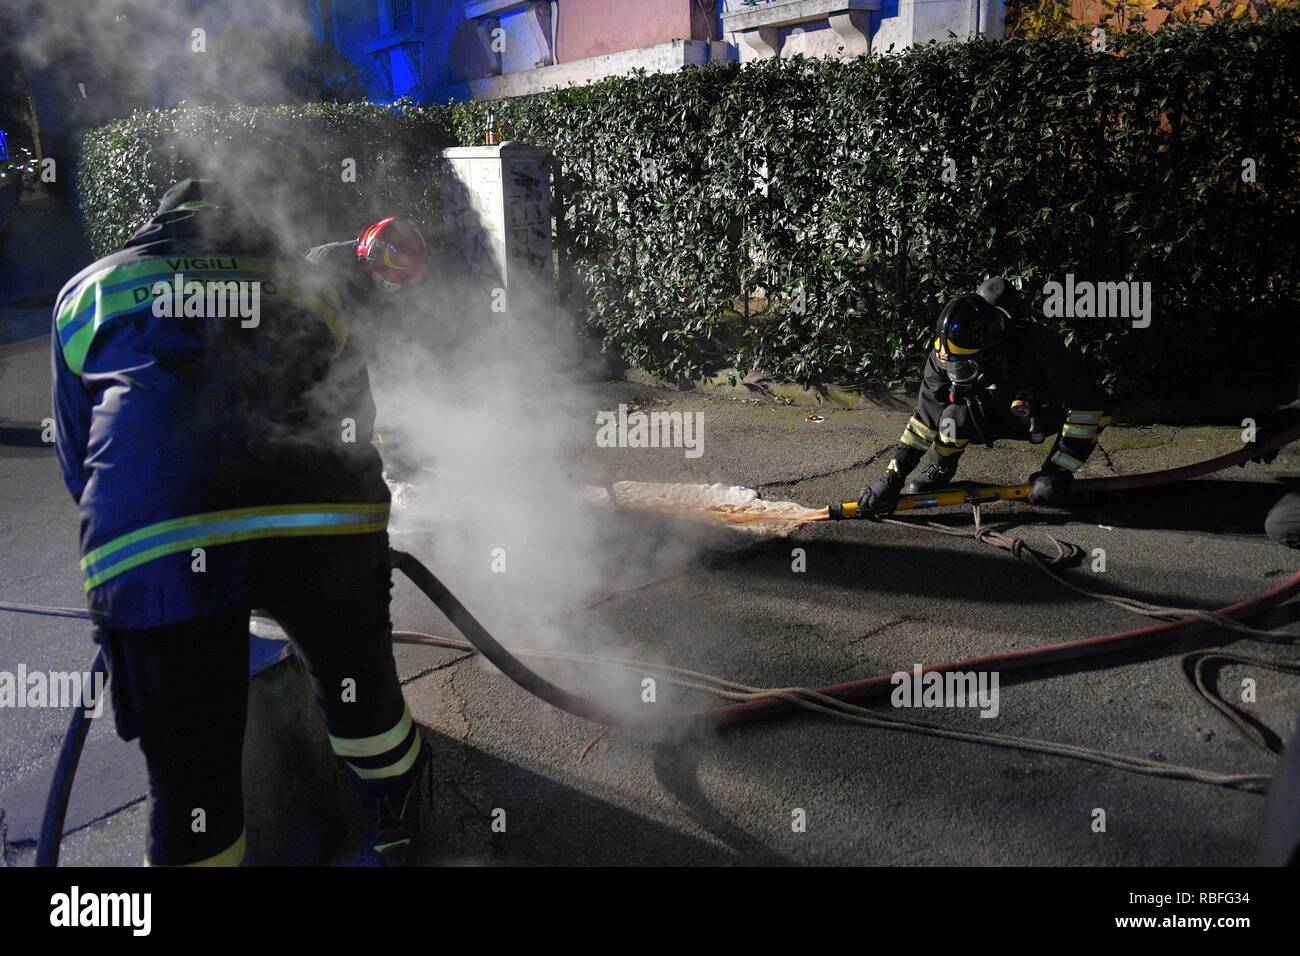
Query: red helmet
[[393, 251]]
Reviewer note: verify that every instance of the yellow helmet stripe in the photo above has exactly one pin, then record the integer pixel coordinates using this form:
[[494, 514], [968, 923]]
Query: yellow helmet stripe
[[953, 349]]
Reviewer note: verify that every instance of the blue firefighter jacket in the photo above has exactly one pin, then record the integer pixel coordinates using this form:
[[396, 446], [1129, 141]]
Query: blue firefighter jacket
[[206, 397]]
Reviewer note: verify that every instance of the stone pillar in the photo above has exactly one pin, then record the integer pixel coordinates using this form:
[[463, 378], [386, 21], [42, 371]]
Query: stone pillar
[[920, 21], [497, 220], [853, 27]]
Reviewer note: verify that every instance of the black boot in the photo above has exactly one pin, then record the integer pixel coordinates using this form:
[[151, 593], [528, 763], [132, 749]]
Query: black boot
[[935, 473], [393, 809]]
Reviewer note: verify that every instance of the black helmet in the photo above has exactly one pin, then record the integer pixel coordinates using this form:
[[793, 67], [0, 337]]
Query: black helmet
[[195, 194], [1001, 294], [969, 329]]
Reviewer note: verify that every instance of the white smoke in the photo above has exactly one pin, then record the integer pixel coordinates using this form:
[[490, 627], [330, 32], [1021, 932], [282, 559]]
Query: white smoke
[[488, 406]]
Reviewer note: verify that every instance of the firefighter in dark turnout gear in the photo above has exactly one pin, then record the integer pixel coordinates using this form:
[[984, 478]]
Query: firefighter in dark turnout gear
[[386, 257], [375, 274], [220, 456], [990, 377]]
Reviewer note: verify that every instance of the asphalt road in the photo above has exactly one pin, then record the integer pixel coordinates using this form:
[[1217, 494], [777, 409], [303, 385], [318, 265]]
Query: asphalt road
[[873, 598], [519, 783]]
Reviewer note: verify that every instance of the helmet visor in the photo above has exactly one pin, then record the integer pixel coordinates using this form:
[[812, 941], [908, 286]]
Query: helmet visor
[[962, 370]]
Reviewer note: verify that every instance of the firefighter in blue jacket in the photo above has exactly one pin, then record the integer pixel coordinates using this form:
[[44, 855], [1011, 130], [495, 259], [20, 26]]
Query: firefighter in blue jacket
[[214, 427]]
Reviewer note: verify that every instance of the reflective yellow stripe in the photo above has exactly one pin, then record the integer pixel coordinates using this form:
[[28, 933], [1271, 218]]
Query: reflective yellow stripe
[[373, 746], [909, 439], [1085, 417], [958, 442], [949, 450], [1067, 462], [225, 527], [112, 294], [1072, 430], [232, 855], [918, 426], [392, 770]]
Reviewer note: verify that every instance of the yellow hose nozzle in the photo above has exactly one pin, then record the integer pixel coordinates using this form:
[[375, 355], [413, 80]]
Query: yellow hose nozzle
[[939, 499]]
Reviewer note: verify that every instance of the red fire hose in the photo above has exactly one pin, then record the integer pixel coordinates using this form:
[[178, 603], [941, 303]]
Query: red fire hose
[[733, 714], [1150, 479], [1039, 656]]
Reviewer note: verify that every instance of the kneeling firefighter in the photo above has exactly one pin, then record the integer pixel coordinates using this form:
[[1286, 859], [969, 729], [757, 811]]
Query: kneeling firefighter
[[989, 377], [221, 460]]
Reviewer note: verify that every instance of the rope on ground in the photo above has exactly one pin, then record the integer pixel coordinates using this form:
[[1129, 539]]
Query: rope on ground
[[1067, 554], [815, 702], [1194, 666]]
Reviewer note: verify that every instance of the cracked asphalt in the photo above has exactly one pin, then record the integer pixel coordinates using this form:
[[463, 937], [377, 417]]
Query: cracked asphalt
[[518, 783]]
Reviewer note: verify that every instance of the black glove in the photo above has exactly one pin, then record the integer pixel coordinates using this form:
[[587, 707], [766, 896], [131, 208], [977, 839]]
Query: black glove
[[879, 497], [1269, 424], [1051, 488]]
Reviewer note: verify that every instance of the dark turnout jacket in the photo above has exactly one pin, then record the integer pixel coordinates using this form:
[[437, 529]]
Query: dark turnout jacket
[[1035, 364]]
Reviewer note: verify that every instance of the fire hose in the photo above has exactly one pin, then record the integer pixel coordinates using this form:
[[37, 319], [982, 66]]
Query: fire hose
[[1083, 486], [774, 702]]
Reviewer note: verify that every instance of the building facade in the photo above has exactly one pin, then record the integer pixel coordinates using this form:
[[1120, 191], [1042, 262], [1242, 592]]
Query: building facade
[[439, 50]]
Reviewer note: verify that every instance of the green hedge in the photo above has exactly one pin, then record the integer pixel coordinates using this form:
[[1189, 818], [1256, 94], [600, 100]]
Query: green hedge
[[1123, 165], [1108, 166], [288, 160]]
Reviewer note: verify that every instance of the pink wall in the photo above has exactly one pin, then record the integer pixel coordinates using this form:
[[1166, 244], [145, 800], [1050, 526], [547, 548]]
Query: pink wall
[[595, 27]]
